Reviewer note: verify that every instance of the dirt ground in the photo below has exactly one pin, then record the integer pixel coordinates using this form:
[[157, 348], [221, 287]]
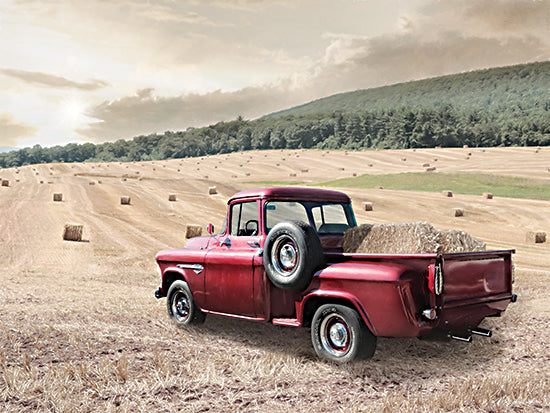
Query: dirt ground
[[80, 329]]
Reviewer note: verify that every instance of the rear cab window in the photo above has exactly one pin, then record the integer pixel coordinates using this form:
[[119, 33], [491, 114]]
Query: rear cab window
[[324, 217]]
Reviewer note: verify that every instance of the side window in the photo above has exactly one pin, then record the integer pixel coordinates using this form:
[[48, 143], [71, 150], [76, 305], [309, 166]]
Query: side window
[[244, 219]]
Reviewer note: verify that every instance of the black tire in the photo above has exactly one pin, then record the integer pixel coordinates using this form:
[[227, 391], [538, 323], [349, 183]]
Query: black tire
[[339, 334], [292, 254], [181, 307]]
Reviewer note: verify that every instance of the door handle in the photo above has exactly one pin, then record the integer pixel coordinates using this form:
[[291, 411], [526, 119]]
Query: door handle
[[253, 244]]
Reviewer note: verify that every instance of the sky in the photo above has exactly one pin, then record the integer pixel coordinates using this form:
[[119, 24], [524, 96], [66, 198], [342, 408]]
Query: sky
[[100, 70]]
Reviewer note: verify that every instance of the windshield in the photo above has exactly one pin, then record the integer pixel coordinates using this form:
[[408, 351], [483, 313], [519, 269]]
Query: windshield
[[325, 217]]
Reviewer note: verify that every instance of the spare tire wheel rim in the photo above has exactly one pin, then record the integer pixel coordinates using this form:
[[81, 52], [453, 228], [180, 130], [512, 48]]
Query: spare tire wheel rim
[[284, 255], [335, 335]]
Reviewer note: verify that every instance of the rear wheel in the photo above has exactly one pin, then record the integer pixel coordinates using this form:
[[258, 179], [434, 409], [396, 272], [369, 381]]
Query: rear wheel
[[180, 305], [338, 334]]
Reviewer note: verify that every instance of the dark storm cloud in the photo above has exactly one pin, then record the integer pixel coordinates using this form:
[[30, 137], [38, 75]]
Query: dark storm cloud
[[47, 80], [12, 131]]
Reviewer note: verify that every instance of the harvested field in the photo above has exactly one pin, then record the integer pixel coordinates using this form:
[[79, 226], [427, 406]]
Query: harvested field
[[80, 329]]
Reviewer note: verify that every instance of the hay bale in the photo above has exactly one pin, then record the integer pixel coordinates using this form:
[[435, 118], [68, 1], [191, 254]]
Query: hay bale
[[402, 238], [57, 197], [431, 169], [305, 170], [425, 165], [192, 231], [5, 182], [72, 232], [459, 212], [292, 175], [537, 237], [487, 195], [212, 190], [125, 200], [367, 206], [448, 194], [91, 183], [409, 238], [354, 236], [452, 240], [172, 197]]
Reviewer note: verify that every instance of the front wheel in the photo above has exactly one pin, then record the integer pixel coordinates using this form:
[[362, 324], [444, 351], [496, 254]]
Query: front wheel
[[338, 334], [180, 305]]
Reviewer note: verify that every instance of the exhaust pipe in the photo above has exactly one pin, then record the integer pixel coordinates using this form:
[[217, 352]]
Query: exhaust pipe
[[460, 338], [482, 332]]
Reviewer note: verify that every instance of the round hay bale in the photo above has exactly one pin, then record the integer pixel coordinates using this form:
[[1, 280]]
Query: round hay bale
[[91, 183], [193, 231], [57, 197], [425, 165], [172, 197], [72, 232], [212, 190], [305, 170], [537, 237], [341, 169], [487, 195], [448, 194], [125, 200], [367, 206], [404, 159], [431, 169], [459, 212], [292, 175]]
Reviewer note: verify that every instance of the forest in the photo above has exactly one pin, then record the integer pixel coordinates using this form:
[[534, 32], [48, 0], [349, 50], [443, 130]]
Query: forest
[[507, 106]]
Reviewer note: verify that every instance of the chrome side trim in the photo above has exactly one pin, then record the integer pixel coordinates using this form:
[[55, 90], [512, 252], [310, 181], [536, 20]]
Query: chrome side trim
[[195, 267]]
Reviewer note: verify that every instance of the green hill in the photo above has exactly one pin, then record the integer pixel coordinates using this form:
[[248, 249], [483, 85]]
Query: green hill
[[506, 89]]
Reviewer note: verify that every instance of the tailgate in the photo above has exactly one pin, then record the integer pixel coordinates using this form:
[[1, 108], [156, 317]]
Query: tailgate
[[476, 277]]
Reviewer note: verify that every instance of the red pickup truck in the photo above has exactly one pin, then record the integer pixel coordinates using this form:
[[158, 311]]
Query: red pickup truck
[[279, 258]]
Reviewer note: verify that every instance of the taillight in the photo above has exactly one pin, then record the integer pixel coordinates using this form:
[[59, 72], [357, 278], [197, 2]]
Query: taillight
[[431, 278]]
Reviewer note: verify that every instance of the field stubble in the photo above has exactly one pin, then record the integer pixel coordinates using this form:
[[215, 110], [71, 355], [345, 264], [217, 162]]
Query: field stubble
[[81, 331]]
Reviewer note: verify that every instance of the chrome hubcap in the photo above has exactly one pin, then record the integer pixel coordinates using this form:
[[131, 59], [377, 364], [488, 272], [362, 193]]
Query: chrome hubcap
[[335, 335], [338, 334], [284, 255], [288, 256]]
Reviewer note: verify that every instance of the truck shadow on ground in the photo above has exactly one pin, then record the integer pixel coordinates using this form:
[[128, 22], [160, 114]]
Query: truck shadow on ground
[[433, 354]]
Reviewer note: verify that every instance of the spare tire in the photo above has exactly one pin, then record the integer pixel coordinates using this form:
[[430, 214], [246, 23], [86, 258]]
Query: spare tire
[[292, 253]]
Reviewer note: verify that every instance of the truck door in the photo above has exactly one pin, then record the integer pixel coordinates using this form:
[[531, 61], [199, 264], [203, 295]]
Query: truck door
[[229, 262]]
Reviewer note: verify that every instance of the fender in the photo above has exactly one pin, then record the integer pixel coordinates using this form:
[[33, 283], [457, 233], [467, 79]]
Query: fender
[[336, 296]]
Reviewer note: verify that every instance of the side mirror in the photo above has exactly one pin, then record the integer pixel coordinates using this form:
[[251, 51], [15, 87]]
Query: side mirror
[[210, 229]]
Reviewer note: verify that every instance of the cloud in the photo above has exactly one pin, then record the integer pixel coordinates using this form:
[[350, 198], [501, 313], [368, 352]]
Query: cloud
[[145, 113], [12, 131], [438, 39], [51, 81]]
